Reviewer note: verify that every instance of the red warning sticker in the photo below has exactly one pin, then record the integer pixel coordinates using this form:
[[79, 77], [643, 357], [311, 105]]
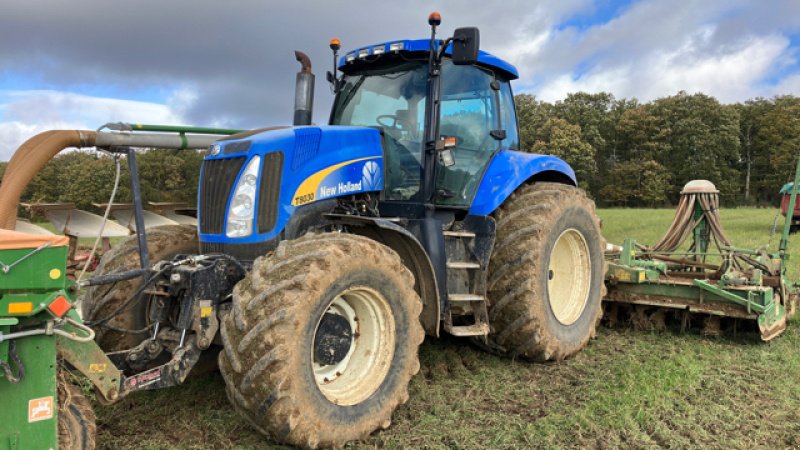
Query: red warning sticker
[[40, 409]]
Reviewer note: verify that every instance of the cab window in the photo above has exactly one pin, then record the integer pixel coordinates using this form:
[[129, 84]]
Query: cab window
[[469, 112], [509, 117]]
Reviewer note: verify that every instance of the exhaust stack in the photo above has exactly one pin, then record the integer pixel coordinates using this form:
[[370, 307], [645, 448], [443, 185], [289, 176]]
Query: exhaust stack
[[304, 91]]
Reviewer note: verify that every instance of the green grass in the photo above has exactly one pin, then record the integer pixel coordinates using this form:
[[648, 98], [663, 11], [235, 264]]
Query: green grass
[[627, 389]]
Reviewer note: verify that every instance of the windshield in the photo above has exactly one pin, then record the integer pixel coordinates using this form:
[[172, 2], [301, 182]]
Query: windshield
[[394, 100]]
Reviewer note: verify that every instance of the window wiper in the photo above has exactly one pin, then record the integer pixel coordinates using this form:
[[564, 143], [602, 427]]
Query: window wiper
[[353, 91]]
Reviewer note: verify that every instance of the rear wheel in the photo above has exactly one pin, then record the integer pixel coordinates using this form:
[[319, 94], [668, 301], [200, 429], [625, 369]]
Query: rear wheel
[[546, 273], [163, 243], [322, 340]]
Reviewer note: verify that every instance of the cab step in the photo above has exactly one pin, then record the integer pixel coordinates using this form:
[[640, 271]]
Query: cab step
[[463, 265], [477, 329], [459, 234], [466, 298], [472, 306]]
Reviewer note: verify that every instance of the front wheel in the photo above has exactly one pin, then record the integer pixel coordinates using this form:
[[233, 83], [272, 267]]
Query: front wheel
[[322, 340], [546, 275]]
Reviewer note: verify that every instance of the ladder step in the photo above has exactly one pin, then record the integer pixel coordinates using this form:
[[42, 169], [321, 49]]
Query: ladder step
[[478, 329], [465, 298], [464, 234], [462, 265]]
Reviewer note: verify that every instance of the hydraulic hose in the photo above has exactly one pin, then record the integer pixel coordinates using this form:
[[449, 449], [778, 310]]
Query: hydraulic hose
[[34, 154]]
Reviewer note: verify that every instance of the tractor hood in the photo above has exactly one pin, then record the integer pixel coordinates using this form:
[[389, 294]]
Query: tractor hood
[[292, 166]]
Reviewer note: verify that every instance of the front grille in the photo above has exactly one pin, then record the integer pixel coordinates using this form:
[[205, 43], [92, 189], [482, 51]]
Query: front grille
[[269, 191], [216, 182]]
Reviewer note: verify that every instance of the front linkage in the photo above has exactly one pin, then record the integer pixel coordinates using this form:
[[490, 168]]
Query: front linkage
[[186, 297]]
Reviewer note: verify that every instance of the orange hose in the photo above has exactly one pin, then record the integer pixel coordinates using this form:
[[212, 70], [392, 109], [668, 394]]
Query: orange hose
[[28, 160]]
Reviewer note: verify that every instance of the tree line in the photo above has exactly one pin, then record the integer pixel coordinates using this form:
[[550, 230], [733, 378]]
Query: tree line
[[624, 152], [628, 153], [85, 177]]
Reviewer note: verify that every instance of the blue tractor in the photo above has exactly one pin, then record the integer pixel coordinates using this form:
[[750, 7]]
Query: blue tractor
[[324, 254]]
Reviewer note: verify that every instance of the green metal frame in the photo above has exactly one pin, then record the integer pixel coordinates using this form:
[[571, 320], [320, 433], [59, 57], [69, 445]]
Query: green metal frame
[[39, 278], [36, 390]]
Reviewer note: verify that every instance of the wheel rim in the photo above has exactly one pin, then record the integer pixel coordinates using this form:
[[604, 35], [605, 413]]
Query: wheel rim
[[568, 277], [353, 346]]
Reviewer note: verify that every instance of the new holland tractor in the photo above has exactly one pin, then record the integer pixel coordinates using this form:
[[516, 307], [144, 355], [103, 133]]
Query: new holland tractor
[[324, 255]]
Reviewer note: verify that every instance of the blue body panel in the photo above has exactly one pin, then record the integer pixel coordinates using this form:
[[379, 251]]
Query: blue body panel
[[507, 170], [322, 162], [419, 45]]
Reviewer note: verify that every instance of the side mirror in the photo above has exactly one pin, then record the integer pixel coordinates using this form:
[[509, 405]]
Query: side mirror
[[466, 42]]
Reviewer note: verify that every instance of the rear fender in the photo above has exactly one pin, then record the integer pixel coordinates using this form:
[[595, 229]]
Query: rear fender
[[509, 169]]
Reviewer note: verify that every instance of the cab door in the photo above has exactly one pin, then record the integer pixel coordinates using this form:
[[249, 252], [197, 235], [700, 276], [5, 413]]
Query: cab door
[[469, 112]]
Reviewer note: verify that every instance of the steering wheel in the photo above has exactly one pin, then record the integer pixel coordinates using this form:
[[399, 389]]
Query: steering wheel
[[383, 119]]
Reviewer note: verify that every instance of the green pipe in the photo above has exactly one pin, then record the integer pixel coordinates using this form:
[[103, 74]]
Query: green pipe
[[182, 129], [746, 251], [728, 296], [783, 248]]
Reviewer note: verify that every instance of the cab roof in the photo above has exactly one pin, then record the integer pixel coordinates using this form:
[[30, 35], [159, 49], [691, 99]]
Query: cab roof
[[415, 46]]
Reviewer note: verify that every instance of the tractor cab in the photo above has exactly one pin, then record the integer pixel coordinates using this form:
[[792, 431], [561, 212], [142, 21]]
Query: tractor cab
[[387, 86]]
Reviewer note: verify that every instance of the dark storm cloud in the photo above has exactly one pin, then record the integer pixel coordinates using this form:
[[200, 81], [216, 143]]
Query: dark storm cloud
[[235, 56]]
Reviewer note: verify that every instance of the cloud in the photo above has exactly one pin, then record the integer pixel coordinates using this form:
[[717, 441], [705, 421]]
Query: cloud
[[652, 49], [731, 76], [223, 64], [26, 113]]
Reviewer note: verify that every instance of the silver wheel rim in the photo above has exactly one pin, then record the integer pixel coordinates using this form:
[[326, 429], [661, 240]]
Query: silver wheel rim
[[569, 277], [362, 370]]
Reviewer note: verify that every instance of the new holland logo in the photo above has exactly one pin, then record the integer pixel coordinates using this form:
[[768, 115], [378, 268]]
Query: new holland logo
[[371, 176]]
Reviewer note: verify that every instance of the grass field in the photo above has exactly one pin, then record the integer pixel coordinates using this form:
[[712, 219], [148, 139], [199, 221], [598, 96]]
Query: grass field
[[627, 389]]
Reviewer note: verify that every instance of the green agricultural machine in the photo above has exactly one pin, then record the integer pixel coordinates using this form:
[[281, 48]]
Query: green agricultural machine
[[40, 407], [694, 272]]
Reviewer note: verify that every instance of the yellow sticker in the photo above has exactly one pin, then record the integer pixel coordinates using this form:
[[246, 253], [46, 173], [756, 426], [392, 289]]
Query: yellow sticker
[[55, 274], [622, 275], [307, 190], [97, 368], [20, 307], [641, 276], [206, 311]]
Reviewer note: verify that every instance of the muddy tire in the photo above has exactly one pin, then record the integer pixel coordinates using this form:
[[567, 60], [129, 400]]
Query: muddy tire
[[163, 243], [322, 340], [76, 419], [546, 273]]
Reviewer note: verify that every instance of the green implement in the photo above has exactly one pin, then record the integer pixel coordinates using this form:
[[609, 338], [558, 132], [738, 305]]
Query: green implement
[[681, 276], [39, 328]]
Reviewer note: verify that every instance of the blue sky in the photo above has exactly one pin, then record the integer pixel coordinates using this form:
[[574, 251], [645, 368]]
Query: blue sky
[[231, 64]]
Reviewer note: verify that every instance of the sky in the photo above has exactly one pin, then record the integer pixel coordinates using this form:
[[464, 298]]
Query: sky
[[67, 65]]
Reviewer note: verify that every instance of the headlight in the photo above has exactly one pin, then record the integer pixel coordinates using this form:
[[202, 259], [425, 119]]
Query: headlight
[[240, 213]]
